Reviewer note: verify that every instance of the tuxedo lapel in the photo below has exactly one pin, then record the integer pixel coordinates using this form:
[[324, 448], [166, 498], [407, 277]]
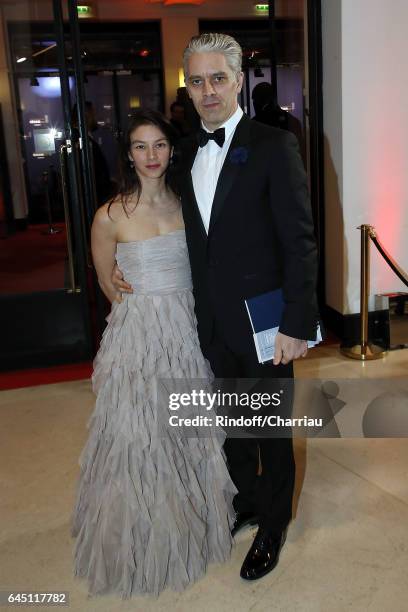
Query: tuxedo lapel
[[231, 168], [188, 161]]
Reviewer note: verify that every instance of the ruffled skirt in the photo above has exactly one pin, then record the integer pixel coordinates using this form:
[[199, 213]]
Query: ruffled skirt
[[152, 510]]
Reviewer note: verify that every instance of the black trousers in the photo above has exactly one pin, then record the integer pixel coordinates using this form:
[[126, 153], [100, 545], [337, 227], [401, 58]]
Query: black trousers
[[269, 494]]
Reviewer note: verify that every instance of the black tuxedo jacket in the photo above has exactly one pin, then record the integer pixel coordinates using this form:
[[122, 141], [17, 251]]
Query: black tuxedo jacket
[[260, 237]]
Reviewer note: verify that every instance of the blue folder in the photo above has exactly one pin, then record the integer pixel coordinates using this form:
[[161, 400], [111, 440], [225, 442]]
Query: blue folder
[[265, 310], [265, 314]]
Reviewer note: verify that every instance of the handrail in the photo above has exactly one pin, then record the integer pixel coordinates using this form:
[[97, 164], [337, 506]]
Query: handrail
[[390, 260]]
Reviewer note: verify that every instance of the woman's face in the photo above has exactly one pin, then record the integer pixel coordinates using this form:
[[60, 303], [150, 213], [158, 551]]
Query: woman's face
[[150, 151]]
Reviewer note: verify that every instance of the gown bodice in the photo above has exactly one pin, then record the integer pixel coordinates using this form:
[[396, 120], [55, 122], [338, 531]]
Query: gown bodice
[[156, 265]]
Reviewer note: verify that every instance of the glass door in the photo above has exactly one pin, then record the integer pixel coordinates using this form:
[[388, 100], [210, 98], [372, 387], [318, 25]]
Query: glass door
[[46, 283], [70, 96]]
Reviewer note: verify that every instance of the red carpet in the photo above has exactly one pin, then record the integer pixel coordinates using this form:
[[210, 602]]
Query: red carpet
[[45, 376], [32, 261]]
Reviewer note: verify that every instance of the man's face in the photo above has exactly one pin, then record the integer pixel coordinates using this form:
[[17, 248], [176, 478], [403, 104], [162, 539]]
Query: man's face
[[213, 87]]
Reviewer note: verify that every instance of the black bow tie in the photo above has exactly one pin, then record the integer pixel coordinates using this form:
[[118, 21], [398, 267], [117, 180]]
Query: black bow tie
[[218, 136]]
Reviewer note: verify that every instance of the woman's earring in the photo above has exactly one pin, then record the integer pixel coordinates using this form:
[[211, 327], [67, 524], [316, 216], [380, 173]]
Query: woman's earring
[[131, 163]]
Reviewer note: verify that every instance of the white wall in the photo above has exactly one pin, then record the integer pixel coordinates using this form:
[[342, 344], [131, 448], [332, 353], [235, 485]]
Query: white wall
[[333, 152], [365, 96]]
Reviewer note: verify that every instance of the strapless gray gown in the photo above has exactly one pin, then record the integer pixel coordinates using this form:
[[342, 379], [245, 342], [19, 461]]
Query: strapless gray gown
[[151, 511]]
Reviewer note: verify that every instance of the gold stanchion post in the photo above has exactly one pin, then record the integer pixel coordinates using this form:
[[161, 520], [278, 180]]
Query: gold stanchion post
[[364, 351]]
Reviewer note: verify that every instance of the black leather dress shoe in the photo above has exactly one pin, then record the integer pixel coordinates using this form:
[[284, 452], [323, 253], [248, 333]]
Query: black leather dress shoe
[[242, 519], [263, 556]]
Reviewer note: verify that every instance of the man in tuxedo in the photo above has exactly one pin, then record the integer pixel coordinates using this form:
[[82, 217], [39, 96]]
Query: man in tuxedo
[[249, 230]]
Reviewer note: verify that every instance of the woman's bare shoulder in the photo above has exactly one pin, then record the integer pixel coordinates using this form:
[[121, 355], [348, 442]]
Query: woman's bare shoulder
[[109, 213]]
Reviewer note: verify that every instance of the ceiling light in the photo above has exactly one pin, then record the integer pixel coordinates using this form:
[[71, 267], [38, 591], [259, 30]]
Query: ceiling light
[[20, 60]]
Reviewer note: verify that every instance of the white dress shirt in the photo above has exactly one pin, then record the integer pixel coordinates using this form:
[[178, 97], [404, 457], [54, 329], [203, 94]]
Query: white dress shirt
[[207, 167]]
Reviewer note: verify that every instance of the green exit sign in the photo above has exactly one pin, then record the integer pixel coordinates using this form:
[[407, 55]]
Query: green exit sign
[[262, 8], [84, 10]]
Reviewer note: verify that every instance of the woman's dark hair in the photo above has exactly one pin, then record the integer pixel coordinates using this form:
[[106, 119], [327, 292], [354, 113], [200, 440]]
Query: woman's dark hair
[[129, 182]]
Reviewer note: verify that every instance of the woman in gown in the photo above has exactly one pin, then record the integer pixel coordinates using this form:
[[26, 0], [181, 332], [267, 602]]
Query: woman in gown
[[152, 510]]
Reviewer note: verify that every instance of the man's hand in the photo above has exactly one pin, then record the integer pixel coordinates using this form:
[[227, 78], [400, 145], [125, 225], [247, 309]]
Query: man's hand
[[120, 285], [287, 349]]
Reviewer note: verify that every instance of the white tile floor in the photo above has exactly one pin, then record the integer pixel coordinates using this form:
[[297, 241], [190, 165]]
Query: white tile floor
[[347, 548]]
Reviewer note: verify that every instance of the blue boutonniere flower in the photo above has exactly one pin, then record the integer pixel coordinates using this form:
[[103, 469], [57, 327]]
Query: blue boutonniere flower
[[239, 155]]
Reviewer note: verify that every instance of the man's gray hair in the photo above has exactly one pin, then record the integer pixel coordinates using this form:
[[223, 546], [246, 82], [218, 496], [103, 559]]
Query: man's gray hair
[[215, 43]]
